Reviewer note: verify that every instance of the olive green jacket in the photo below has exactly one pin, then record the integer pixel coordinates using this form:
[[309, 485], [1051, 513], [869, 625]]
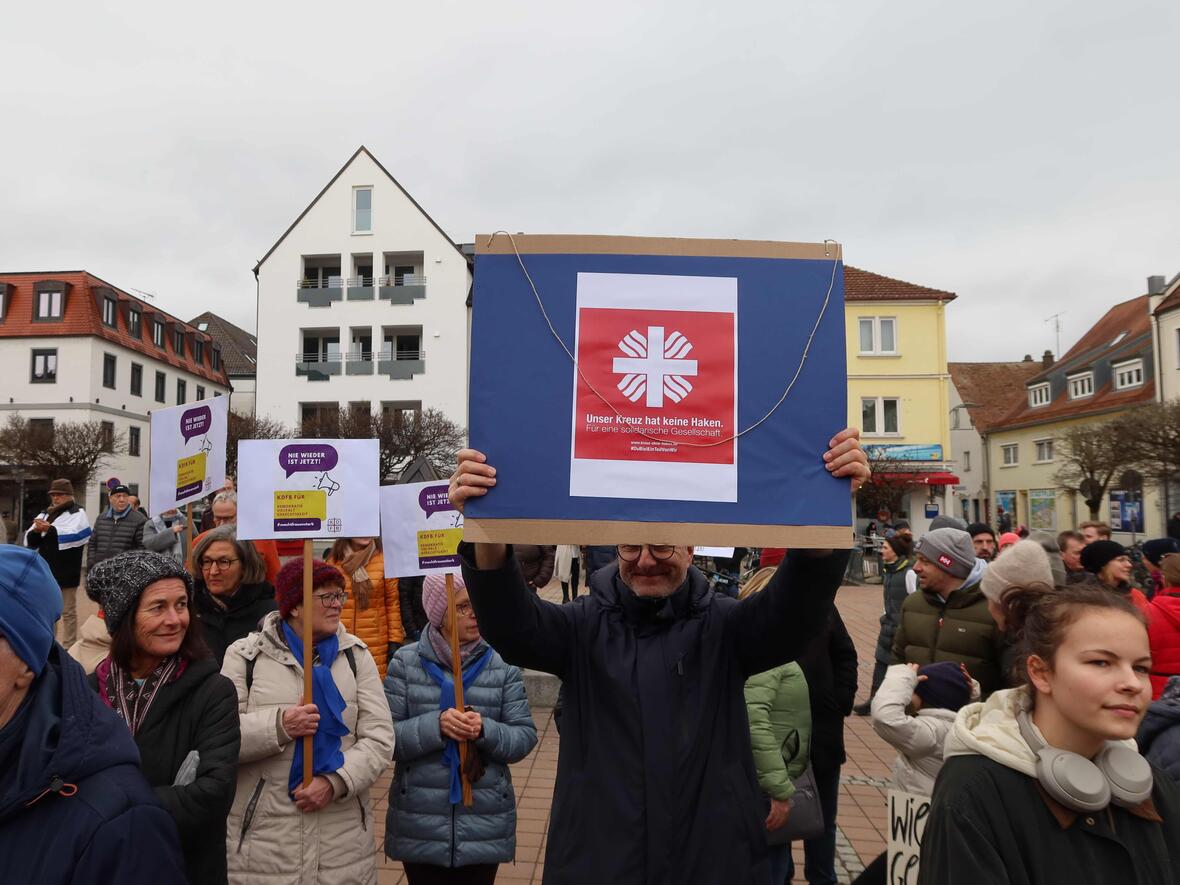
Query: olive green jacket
[[961, 629], [779, 710]]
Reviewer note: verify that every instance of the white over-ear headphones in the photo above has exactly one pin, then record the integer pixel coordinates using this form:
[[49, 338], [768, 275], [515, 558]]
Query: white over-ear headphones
[[1118, 774]]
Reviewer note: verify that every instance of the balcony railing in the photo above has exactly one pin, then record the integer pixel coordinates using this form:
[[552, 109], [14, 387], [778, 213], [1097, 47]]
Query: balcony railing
[[402, 364], [360, 288], [401, 288], [358, 362], [317, 367], [317, 292]]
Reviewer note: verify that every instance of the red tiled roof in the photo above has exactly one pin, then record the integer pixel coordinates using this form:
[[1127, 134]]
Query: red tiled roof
[[1124, 332], [996, 389], [81, 316], [862, 285], [1169, 303]]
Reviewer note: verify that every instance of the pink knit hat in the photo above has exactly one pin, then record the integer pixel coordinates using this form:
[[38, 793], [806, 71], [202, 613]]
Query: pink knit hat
[[434, 597]]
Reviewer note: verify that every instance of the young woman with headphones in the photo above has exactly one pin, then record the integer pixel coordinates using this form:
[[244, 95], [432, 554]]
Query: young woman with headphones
[[1043, 783]]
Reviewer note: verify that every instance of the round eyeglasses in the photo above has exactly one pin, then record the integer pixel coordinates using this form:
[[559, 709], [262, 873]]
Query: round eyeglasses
[[632, 552]]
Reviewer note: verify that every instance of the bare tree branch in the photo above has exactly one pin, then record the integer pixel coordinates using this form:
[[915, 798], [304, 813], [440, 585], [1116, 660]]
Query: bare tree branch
[[71, 450]]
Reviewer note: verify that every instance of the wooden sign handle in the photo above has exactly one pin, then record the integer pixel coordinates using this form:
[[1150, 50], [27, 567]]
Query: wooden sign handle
[[188, 538], [457, 676], [308, 655]]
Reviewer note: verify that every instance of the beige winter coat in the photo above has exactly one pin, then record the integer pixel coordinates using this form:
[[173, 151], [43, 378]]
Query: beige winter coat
[[93, 645], [273, 843]]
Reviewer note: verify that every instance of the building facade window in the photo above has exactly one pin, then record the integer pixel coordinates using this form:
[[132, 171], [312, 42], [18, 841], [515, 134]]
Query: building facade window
[[181, 391], [880, 415], [49, 305], [1081, 385], [966, 462], [161, 388], [133, 441], [1038, 395], [1044, 451], [158, 334], [136, 379], [198, 351], [362, 210], [44, 366], [1010, 454], [200, 393], [215, 359], [178, 342], [1128, 374], [134, 324], [108, 436], [109, 312], [878, 336], [41, 431], [108, 371]]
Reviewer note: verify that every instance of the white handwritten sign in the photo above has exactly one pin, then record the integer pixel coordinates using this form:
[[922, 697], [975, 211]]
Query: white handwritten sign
[[907, 822]]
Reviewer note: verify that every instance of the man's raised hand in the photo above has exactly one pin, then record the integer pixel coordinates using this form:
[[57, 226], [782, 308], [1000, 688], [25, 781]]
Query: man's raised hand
[[471, 479], [845, 457]]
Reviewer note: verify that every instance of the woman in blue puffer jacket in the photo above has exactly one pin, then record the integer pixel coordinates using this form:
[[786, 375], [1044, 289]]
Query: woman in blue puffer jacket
[[428, 829]]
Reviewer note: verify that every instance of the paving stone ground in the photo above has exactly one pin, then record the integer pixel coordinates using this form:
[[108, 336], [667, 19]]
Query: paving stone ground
[[861, 817]]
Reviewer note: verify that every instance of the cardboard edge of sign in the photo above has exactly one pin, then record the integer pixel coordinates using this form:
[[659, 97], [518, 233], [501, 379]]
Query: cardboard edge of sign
[[590, 244], [594, 531]]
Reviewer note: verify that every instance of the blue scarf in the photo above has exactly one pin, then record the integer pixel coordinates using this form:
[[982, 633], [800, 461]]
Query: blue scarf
[[326, 755], [446, 700]]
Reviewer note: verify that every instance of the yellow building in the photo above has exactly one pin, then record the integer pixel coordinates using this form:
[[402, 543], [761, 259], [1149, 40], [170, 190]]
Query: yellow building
[[1108, 371], [898, 386]]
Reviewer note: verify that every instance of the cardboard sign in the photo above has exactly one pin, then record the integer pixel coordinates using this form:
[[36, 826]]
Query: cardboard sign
[[907, 822], [187, 452], [680, 345], [420, 530], [308, 488]]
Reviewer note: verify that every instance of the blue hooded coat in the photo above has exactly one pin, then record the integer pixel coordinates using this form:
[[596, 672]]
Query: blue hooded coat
[[74, 806]]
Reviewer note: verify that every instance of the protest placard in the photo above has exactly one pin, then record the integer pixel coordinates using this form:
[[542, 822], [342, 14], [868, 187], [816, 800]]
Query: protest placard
[[420, 529], [187, 453], [308, 488], [673, 391], [907, 821]]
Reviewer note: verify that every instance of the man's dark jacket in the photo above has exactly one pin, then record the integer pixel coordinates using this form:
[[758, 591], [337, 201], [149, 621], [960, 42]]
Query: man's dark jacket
[[829, 663], [224, 624], [198, 711], [114, 536], [74, 806], [655, 779]]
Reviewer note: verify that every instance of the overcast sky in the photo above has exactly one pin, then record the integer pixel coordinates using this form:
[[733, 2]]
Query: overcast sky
[[1024, 155]]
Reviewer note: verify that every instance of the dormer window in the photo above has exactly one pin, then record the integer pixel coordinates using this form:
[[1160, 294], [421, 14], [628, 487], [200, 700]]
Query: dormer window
[[1128, 374], [158, 333], [1081, 386], [108, 312], [1038, 395], [133, 323]]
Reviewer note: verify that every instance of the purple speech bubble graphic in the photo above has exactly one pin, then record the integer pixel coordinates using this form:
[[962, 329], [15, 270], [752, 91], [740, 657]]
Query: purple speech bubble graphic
[[307, 458], [433, 499], [195, 422]]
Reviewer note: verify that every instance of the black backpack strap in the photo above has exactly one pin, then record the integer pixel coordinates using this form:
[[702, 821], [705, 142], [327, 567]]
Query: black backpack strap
[[351, 660], [250, 662]]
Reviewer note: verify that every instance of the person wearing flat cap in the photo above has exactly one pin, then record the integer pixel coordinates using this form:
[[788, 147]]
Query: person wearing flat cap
[[74, 806], [948, 618], [161, 680], [1110, 563], [117, 529]]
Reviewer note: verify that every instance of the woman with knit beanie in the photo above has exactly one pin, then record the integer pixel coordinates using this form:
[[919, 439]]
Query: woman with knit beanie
[[162, 682], [436, 837], [898, 581], [278, 830], [372, 611]]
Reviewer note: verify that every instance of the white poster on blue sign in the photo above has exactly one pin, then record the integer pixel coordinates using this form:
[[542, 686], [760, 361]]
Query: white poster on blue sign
[[673, 391], [308, 488], [187, 453], [420, 529]]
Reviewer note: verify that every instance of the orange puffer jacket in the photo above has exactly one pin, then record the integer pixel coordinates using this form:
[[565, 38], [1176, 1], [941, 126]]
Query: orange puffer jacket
[[380, 623]]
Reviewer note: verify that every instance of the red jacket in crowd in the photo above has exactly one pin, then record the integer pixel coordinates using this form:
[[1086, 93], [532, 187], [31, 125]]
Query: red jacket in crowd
[[1163, 630]]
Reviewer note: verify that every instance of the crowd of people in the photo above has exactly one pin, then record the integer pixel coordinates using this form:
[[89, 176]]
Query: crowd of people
[[702, 734]]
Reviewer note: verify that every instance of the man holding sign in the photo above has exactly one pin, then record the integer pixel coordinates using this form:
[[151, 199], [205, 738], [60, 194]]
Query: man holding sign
[[656, 779]]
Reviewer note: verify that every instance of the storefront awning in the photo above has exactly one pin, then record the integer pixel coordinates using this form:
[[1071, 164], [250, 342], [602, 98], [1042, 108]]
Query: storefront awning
[[924, 479]]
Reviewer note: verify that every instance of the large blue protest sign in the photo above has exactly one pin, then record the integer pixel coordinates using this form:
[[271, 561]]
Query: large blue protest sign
[[680, 345]]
